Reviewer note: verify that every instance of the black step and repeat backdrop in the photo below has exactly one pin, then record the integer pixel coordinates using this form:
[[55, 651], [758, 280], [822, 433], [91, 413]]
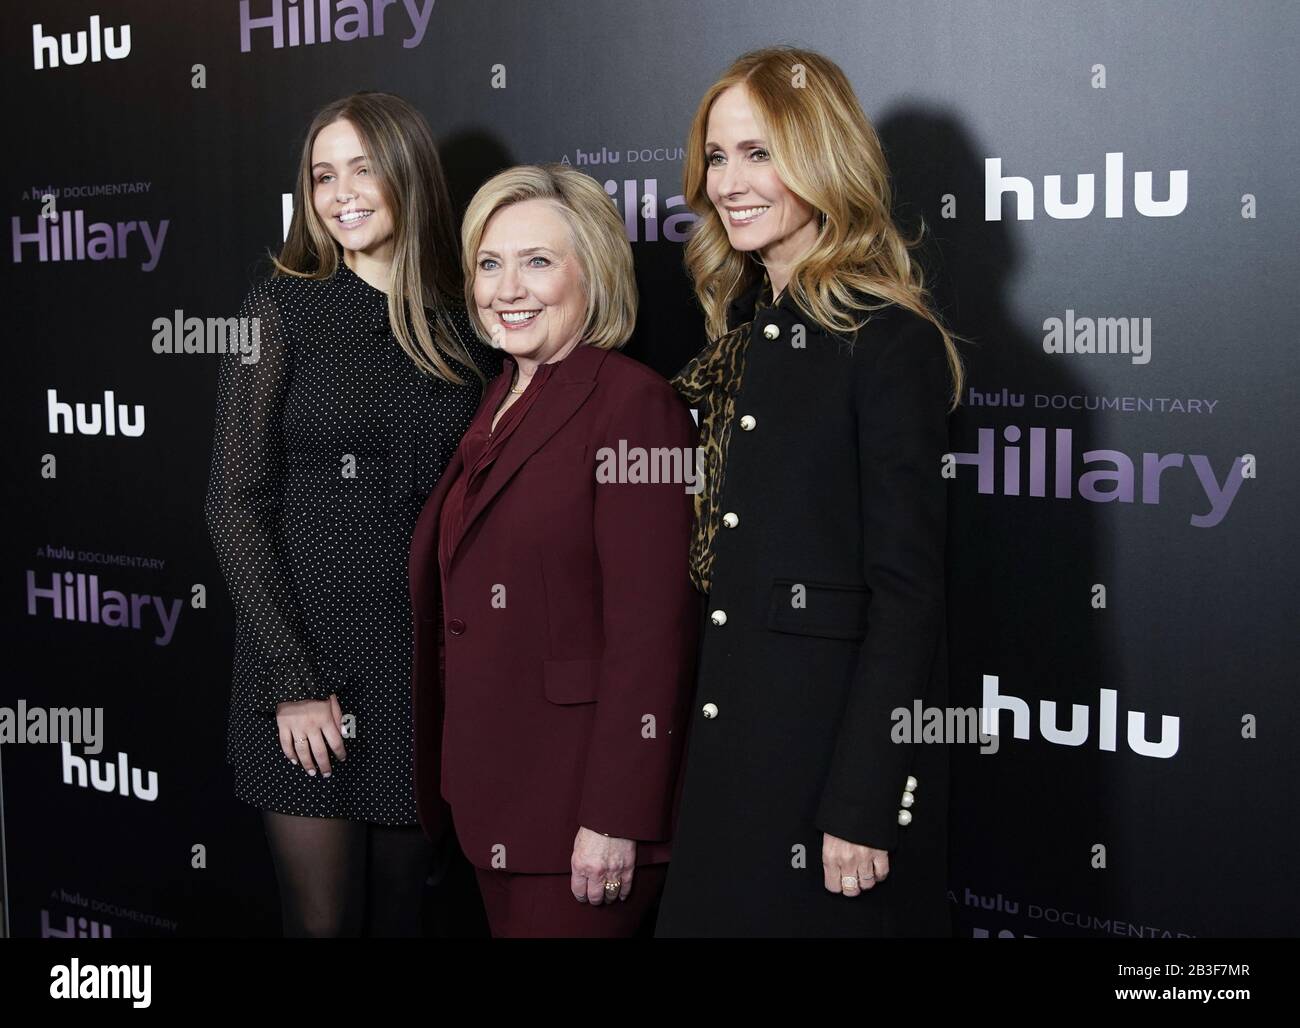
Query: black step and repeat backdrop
[[1111, 195]]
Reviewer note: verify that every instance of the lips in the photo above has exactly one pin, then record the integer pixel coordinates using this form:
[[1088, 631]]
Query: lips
[[747, 215], [517, 319], [351, 219]]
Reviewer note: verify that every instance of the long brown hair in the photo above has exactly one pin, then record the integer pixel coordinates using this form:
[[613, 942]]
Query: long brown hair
[[826, 152], [426, 262]]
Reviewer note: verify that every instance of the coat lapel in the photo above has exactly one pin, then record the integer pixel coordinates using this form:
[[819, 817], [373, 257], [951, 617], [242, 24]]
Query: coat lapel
[[566, 391], [423, 566], [741, 309]]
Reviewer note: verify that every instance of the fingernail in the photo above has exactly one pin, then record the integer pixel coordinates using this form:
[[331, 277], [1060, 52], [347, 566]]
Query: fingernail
[[311, 773], [326, 774]]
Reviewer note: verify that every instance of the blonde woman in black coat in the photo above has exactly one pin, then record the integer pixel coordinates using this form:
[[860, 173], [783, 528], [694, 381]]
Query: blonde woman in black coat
[[819, 537]]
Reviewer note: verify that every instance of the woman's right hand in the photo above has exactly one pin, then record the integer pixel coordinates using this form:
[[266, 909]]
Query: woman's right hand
[[309, 730]]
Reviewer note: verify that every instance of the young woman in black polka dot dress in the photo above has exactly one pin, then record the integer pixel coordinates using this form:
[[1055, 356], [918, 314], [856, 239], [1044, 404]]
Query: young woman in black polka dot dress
[[326, 448]]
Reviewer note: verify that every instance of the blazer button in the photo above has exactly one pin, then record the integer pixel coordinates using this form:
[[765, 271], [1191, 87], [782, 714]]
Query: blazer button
[[710, 710], [747, 423], [730, 520], [910, 785], [718, 617], [456, 626], [905, 817], [772, 331], [908, 799]]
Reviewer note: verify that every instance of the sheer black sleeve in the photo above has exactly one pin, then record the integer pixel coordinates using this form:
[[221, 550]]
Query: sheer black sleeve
[[244, 499]]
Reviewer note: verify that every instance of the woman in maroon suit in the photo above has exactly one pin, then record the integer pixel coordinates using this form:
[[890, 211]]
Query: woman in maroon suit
[[556, 626]]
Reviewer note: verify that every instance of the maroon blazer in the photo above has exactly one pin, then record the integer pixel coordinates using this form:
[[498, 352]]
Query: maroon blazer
[[570, 629]]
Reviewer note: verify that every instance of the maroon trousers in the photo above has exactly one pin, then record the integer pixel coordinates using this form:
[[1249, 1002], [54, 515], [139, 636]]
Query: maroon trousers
[[541, 906]]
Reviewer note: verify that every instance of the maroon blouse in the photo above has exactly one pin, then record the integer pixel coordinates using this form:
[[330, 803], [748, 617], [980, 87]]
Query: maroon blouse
[[479, 448]]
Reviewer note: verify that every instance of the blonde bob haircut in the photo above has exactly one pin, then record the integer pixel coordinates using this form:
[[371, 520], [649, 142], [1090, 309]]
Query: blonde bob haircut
[[827, 153], [596, 233]]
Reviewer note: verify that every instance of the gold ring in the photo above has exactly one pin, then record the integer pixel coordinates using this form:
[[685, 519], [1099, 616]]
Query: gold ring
[[611, 888]]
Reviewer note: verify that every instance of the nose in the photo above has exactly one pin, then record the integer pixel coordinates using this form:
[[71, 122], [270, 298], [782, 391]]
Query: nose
[[509, 285], [343, 190], [731, 182]]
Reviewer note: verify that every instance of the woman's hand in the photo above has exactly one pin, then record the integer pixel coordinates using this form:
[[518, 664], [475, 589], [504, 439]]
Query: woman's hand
[[849, 868], [598, 859], [309, 729]]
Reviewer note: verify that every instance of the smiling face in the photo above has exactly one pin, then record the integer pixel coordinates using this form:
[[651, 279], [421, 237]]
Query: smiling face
[[528, 283], [760, 213], [346, 193]]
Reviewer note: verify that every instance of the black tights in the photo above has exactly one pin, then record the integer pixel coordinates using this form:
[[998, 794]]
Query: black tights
[[348, 878]]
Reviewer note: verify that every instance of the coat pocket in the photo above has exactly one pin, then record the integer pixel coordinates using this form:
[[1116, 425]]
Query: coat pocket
[[571, 681], [822, 609], [553, 459]]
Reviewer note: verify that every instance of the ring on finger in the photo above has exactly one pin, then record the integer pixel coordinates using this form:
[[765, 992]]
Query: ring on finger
[[304, 747]]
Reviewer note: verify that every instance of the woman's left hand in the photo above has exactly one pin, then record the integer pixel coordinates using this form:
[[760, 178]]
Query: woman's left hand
[[849, 868], [598, 859]]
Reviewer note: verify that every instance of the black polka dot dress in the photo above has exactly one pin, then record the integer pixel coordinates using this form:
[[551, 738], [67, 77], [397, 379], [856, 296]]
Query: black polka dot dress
[[326, 448]]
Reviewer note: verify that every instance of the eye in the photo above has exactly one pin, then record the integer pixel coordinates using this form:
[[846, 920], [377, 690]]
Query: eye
[[323, 177], [363, 171], [710, 158], [537, 257], [759, 153], [485, 262]]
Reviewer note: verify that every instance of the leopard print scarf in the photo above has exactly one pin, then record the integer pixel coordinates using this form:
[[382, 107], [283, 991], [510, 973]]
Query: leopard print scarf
[[710, 383]]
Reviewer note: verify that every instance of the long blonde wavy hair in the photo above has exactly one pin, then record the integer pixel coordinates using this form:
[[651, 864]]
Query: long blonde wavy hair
[[426, 262], [826, 152]]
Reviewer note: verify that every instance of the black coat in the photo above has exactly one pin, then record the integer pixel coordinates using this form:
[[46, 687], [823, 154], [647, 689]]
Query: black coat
[[836, 486]]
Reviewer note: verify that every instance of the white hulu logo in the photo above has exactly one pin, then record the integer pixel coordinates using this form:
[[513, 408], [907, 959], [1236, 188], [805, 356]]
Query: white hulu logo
[[996, 185], [109, 417], [99, 43], [106, 777], [1077, 733]]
